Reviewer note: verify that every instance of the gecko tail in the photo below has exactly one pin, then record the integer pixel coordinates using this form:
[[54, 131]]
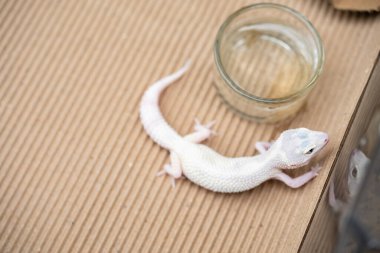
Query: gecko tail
[[150, 114], [153, 93]]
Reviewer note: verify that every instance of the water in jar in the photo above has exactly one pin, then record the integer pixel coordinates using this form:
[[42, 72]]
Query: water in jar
[[268, 60]]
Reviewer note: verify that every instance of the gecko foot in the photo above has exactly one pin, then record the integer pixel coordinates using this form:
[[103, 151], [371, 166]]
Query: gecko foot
[[336, 204], [168, 170], [160, 173], [205, 128], [263, 146], [316, 169]]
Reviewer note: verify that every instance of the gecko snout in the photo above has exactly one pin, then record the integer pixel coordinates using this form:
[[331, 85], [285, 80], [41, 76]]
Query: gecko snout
[[325, 138]]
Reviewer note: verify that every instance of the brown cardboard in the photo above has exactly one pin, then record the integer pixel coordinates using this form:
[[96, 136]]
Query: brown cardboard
[[77, 171]]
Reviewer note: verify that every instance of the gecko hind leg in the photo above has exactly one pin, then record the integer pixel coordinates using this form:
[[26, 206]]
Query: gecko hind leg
[[202, 132], [173, 170]]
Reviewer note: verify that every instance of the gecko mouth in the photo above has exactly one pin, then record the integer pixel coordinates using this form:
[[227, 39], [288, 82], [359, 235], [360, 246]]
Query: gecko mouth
[[324, 145], [296, 166]]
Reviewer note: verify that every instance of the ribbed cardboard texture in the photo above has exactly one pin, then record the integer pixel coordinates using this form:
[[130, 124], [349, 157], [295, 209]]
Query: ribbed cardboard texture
[[77, 171]]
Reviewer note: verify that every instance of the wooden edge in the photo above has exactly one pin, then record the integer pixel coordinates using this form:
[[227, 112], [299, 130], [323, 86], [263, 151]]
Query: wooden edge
[[322, 225], [356, 5]]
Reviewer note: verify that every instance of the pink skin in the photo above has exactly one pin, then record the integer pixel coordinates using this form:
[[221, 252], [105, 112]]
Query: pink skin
[[336, 204], [298, 181], [262, 146]]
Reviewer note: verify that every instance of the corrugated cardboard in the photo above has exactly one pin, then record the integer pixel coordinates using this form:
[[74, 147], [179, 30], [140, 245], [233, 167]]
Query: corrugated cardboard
[[77, 171]]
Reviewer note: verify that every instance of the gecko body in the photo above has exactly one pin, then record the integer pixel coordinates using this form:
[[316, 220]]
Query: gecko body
[[211, 170]]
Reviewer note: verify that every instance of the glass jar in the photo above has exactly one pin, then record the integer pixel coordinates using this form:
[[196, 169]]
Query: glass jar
[[267, 59]]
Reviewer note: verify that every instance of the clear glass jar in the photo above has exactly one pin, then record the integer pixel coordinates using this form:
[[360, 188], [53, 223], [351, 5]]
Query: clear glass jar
[[267, 59]]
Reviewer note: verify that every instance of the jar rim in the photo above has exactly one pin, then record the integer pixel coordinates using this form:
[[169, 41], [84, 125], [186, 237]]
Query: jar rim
[[231, 83]]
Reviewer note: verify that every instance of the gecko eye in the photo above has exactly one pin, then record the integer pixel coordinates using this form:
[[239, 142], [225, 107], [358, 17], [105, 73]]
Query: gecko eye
[[309, 152], [354, 172]]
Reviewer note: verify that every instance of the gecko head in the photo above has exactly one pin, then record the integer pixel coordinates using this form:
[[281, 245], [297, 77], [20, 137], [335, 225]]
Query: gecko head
[[356, 170], [298, 146]]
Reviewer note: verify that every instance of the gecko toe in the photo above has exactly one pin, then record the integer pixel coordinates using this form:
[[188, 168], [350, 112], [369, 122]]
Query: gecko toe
[[172, 181], [160, 173], [206, 127], [316, 169]]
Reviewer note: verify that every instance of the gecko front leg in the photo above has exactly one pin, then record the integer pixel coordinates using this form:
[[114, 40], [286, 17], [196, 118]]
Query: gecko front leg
[[336, 204], [201, 133], [263, 146], [298, 181]]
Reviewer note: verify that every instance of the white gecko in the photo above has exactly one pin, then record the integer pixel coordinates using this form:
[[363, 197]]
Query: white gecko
[[203, 166]]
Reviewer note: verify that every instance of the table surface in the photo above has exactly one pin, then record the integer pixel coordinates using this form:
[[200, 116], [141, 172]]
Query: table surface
[[77, 171]]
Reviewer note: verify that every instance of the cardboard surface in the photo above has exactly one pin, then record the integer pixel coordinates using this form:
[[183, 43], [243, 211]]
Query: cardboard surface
[[77, 171]]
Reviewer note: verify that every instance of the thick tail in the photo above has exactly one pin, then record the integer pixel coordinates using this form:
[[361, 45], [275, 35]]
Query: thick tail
[[153, 121]]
